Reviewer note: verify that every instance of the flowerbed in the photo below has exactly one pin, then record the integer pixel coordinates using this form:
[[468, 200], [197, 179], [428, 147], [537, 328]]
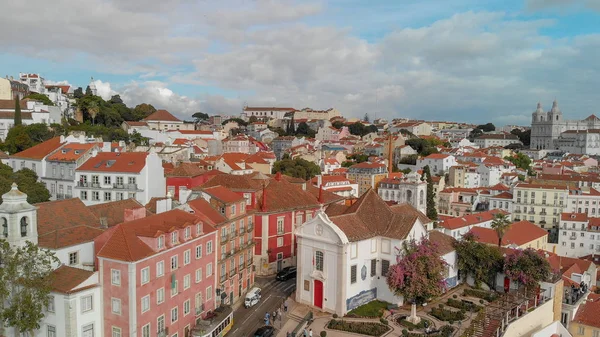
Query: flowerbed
[[447, 315], [445, 331], [421, 325], [372, 309], [463, 305], [485, 295], [363, 328]]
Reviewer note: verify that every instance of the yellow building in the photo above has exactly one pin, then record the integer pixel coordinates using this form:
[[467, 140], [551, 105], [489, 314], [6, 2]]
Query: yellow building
[[540, 204], [367, 175], [587, 320]]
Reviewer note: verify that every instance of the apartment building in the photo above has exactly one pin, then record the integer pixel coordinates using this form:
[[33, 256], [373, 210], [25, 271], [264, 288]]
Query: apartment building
[[108, 176], [456, 227], [367, 175], [158, 277], [540, 204], [164, 120], [61, 166], [438, 163], [407, 189], [579, 235], [583, 200]]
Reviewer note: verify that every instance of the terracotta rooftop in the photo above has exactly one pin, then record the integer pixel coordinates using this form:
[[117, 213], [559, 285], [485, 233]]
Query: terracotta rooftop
[[125, 162], [185, 170], [587, 314], [575, 217], [66, 280], [370, 216], [206, 212], [162, 115], [437, 156], [114, 211], [135, 123], [223, 194], [65, 223], [244, 182], [39, 151], [70, 152], [469, 220], [444, 242], [503, 195], [519, 233], [9, 104]]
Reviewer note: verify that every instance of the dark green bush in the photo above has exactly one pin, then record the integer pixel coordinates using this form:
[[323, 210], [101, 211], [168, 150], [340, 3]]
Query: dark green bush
[[363, 328], [447, 315]]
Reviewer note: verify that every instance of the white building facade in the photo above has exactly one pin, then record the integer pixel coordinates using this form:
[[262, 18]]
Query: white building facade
[[579, 235]]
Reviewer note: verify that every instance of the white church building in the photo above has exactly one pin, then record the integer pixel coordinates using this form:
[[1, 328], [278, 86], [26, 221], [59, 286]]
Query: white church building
[[344, 252]]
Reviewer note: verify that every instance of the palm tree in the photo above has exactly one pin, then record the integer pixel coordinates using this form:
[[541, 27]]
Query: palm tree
[[93, 110], [500, 224]]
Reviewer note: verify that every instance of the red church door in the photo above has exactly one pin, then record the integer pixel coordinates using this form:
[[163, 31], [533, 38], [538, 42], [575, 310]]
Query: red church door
[[318, 294]]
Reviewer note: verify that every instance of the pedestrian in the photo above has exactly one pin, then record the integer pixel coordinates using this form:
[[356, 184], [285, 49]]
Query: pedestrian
[[279, 313], [310, 333], [285, 306], [274, 315], [305, 333], [288, 334]]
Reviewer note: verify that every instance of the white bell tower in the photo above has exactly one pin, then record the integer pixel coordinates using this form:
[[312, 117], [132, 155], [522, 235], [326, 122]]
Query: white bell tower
[[18, 218]]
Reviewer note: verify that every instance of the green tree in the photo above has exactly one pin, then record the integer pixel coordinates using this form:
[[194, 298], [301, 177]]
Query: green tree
[[479, 260], [201, 116], [338, 124], [475, 133], [78, 93], [142, 111], [40, 97], [520, 160], [240, 121], [116, 99], [279, 131], [304, 130], [27, 181], [25, 283], [527, 267], [18, 118], [88, 91], [17, 140], [431, 211], [297, 167], [500, 224], [489, 127], [409, 160], [418, 274], [93, 110], [138, 139], [524, 136], [252, 119]]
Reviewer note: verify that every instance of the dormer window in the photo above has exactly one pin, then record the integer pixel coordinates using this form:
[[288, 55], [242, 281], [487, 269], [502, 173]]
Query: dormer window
[[188, 232], [161, 242], [233, 209], [198, 229], [174, 237]]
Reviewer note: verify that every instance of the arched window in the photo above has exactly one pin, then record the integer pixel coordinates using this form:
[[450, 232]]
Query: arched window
[[421, 197], [409, 196], [319, 260], [5, 227], [24, 226]]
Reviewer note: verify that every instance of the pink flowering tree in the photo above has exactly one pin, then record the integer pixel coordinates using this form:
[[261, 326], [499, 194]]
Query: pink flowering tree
[[418, 275], [527, 267]]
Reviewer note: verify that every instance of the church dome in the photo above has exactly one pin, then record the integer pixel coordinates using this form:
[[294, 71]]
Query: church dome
[[555, 108]]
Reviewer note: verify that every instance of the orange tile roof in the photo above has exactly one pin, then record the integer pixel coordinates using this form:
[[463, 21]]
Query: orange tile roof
[[70, 152], [162, 115], [206, 212], [65, 223], [577, 217], [242, 182], [185, 170], [282, 195], [469, 220], [555, 187], [114, 211], [223, 194], [587, 314], [124, 243], [39, 151], [503, 195], [437, 156], [444, 242], [126, 162], [519, 233], [9, 104], [65, 279]]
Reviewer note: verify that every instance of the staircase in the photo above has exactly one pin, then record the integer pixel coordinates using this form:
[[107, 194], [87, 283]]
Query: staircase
[[295, 317]]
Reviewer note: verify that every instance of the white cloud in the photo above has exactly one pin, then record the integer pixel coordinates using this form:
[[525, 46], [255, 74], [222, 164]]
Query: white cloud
[[104, 90]]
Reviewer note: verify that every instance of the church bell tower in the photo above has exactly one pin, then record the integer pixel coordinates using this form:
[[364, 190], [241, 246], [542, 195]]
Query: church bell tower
[[18, 218]]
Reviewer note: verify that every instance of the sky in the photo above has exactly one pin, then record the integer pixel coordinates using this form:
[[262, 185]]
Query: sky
[[460, 60]]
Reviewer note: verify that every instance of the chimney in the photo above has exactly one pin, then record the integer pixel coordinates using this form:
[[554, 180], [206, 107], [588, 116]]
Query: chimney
[[131, 214], [263, 207], [103, 222], [278, 176]]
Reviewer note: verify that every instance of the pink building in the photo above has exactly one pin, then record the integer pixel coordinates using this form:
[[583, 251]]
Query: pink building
[[158, 277]]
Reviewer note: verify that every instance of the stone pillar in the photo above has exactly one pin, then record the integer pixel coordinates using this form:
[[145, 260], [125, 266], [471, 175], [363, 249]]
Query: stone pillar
[[414, 319]]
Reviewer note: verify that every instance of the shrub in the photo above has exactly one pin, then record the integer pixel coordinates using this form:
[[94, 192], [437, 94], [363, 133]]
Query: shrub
[[486, 295], [335, 315], [481, 301], [463, 305], [447, 315], [363, 328], [405, 332], [441, 306], [323, 334], [411, 328], [383, 321], [372, 309], [421, 325], [446, 331], [454, 296]]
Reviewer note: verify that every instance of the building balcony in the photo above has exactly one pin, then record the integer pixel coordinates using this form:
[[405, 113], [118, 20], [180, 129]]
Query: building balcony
[[232, 272], [125, 186], [250, 228], [543, 213], [531, 212], [224, 239], [222, 278], [200, 309], [573, 237], [60, 196], [249, 262], [242, 230], [163, 333]]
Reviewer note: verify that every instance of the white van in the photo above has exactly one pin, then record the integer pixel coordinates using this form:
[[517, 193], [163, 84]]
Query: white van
[[252, 297]]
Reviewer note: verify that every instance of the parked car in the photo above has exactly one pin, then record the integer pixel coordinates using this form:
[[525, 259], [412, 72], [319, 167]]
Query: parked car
[[265, 331], [286, 273]]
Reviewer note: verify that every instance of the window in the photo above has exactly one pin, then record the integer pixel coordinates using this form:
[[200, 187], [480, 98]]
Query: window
[[174, 262], [83, 195], [95, 180], [174, 314], [51, 331], [145, 275], [50, 306], [119, 180], [88, 330], [146, 330], [160, 268], [131, 180], [209, 269], [116, 306], [353, 274], [581, 330], [186, 282], [160, 324], [160, 295], [116, 332], [373, 267], [115, 277], [385, 265], [145, 303], [209, 247], [280, 241], [596, 333], [198, 229], [209, 293], [233, 209], [161, 242], [280, 226], [107, 180], [198, 251], [132, 195], [186, 307], [118, 196], [319, 261], [95, 195], [73, 258], [174, 237], [174, 288], [86, 303], [198, 275], [186, 257], [107, 196]]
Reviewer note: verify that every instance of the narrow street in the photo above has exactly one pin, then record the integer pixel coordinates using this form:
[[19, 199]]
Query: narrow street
[[246, 321]]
